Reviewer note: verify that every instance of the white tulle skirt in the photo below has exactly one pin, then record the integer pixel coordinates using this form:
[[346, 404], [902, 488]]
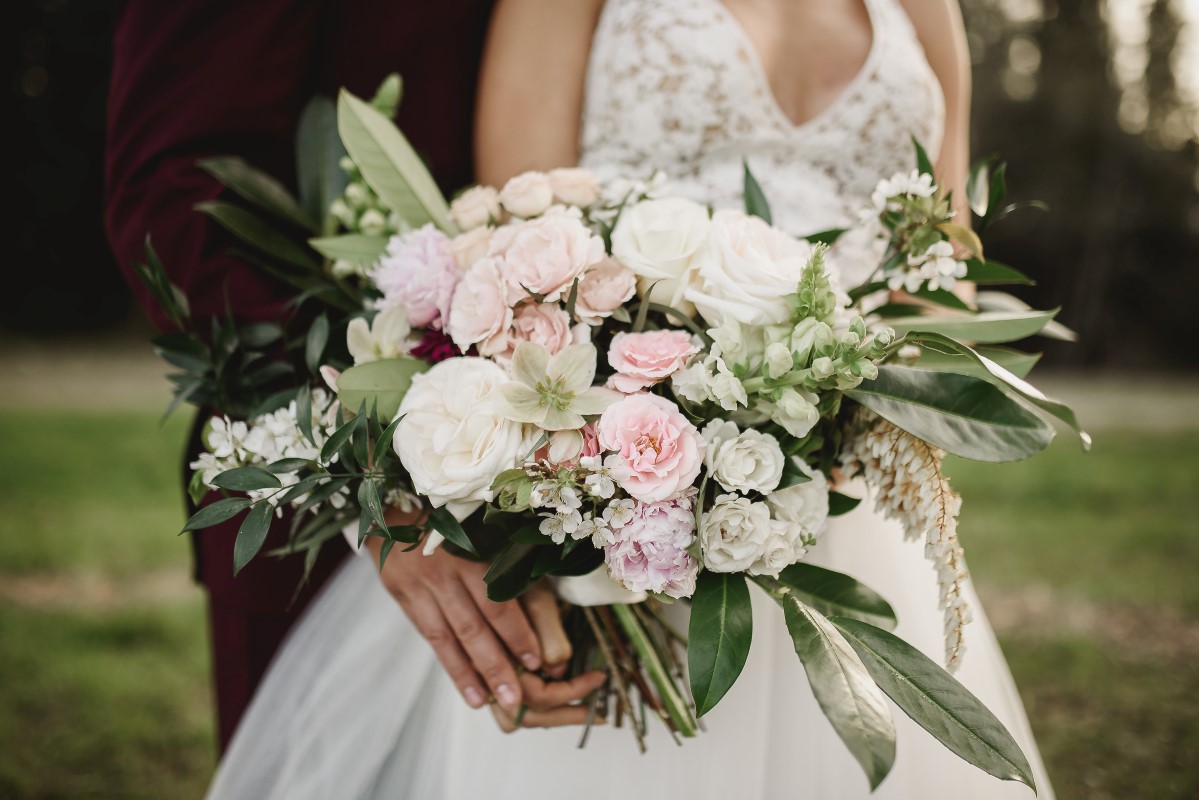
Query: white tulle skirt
[[356, 706]]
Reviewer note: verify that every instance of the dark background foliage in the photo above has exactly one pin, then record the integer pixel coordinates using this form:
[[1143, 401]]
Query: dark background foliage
[[1089, 102]]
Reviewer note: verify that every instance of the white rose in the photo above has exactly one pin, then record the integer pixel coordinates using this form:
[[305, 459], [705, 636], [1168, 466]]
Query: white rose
[[664, 241], [778, 553], [734, 533], [469, 247], [476, 207], [752, 270], [453, 441], [804, 506], [574, 186], [742, 461], [527, 195]]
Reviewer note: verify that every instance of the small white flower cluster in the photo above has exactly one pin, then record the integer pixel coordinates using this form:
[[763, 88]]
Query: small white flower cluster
[[936, 268], [565, 495], [266, 439], [900, 185], [905, 472]]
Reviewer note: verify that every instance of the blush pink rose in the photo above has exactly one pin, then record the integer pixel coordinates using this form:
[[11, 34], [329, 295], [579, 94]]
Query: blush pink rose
[[656, 454], [544, 323], [603, 289], [469, 247], [643, 359], [479, 312], [544, 255], [419, 274]]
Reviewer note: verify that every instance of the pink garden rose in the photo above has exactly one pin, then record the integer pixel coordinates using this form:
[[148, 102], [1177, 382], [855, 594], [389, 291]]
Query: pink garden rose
[[643, 359], [544, 323], [603, 289], [469, 247], [574, 186], [656, 452], [479, 312], [650, 551], [419, 273], [544, 255], [527, 195]]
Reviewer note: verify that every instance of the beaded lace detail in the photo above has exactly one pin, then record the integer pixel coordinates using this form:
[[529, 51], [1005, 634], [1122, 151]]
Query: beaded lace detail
[[677, 85]]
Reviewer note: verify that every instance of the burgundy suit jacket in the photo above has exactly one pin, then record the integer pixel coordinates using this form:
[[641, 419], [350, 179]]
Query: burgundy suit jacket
[[194, 78]]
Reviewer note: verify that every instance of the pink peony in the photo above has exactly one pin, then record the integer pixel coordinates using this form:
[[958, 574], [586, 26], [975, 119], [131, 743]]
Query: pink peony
[[643, 359], [543, 323], [479, 311], [418, 273], [650, 551], [603, 289], [543, 256], [657, 453]]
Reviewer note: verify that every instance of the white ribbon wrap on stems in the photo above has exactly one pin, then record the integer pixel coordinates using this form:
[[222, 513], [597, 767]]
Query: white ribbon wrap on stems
[[596, 589]]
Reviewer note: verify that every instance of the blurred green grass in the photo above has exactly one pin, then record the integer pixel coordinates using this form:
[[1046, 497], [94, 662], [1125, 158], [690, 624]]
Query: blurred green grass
[[1086, 563]]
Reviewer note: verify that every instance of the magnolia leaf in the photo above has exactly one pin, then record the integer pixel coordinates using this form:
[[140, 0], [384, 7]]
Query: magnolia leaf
[[379, 384], [836, 594], [987, 327], [963, 236], [318, 161], [356, 248], [839, 504], [937, 702], [258, 188], [755, 199], [1003, 302], [991, 271], [961, 414], [314, 345], [978, 187], [390, 166], [924, 164], [387, 96], [826, 237], [1013, 361], [257, 233], [844, 689], [718, 636]]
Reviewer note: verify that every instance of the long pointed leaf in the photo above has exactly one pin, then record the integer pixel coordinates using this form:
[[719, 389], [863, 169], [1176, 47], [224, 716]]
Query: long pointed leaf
[[963, 415], [356, 248], [215, 513], [318, 160], [252, 230], [1013, 361], [252, 534], [389, 164], [836, 594], [258, 188], [987, 327], [442, 521], [937, 702], [719, 636], [379, 384], [844, 689]]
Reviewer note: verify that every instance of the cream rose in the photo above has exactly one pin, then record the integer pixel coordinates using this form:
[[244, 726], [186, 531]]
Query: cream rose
[[804, 506], [452, 440], [742, 461], [603, 289], [734, 533], [545, 255], [469, 247], [574, 186], [753, 268], [479, 312], [664, 241], [476, 207], [527, 195]]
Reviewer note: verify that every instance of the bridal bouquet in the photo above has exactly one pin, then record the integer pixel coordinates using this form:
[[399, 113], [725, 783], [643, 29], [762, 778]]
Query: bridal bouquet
[[616, 388]]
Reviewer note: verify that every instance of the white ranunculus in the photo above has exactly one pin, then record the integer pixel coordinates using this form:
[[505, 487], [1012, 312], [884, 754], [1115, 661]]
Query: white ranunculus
[[663, 241], [752, 270], [742, 461], [453, 441], [803, 507], [734, 533]]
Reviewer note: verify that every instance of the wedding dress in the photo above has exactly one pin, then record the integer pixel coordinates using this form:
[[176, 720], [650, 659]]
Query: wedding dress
[[356, 705]]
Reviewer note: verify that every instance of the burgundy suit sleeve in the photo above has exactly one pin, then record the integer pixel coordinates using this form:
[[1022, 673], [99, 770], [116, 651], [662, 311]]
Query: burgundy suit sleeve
[[190, 79]]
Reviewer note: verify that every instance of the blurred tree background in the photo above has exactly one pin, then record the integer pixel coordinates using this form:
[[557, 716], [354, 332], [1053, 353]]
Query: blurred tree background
[[1095, 105]]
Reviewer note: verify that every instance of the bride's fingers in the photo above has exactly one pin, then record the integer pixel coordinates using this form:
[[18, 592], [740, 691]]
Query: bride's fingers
[[509, 622], [542, 607], [422, 609], [486, 653], [545, 695], [555, 718]]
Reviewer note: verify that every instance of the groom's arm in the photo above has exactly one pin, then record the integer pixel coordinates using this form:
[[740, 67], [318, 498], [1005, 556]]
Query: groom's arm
[[192, 79]]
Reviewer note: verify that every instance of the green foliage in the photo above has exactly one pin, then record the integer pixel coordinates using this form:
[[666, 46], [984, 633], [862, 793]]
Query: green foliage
[[356, 248], [445, 523], [719, 635], [988, 327], [1014, 361], [755, 199], [259, 234], [257, 188], [318, 155], [379, 384], [252, 534], [833, 594]]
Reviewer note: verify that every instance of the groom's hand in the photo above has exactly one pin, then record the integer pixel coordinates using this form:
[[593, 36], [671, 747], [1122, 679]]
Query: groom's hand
[[476, 638]]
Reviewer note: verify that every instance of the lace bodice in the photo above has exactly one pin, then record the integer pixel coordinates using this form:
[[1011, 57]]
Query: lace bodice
[[676, 85]]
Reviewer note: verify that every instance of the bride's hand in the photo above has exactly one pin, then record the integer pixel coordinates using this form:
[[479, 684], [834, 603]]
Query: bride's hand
[[476, 638]]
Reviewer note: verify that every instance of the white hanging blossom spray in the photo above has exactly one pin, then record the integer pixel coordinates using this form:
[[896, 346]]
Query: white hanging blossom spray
[[911, 488]]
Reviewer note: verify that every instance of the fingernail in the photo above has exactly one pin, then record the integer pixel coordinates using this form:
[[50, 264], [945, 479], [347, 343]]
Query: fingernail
[[474, 698], [530, 661], [507, 696]]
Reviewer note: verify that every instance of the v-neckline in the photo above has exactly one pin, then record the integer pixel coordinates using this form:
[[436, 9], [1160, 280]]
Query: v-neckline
[[758, 68]]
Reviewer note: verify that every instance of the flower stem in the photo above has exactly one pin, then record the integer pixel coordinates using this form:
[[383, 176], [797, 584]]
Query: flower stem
[[672, 699]]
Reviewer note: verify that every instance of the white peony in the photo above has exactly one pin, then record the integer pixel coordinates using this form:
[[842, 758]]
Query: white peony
[[752, 270], [742, 461], [663, 241], [453, 441], [735, 532]]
